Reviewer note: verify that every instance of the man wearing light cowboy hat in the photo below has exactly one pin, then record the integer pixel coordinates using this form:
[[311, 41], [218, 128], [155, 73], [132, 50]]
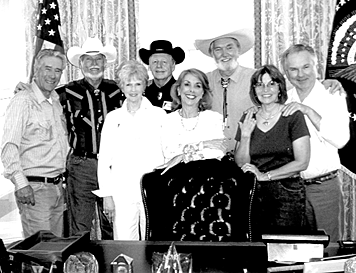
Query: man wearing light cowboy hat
[[226, 49], [86, 103], [161, 59]]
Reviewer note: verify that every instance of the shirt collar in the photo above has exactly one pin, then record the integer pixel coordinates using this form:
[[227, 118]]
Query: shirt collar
[[89, 87], [39, 95], [233, 77]]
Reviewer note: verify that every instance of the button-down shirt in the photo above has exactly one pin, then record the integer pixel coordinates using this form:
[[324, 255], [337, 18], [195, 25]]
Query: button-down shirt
[[238, 98], [334, 129], [86, 108], [34, 141]]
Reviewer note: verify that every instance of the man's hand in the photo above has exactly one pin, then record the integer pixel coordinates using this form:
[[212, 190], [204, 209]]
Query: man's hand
[[25, 195], [291, 108], [334, 85], [21, 87], [109, 208]]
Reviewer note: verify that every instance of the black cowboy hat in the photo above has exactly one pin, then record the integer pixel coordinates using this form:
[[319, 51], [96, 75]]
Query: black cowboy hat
[[162, 46]]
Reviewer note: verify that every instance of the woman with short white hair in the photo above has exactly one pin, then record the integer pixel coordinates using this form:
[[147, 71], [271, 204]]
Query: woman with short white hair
[[129, 147]]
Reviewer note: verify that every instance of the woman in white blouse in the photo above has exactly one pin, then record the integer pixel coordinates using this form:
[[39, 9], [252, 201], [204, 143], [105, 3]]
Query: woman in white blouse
[[192, 131], [130, 146]]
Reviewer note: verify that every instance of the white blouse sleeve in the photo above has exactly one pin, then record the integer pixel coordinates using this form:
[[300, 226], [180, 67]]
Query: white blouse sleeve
[[105, 156]]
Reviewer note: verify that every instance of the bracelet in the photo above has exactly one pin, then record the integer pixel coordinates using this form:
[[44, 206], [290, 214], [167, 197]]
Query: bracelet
[[269, 176]]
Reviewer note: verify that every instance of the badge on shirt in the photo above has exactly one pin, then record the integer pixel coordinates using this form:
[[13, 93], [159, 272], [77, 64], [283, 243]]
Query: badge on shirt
[[159, 96], [167, 105]]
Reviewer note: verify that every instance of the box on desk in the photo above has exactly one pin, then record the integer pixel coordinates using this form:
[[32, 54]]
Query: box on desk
[[294, 248], [44, 250]]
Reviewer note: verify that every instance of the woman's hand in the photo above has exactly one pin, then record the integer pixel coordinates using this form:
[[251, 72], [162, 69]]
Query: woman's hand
[[109, 208], [249, 123], [218, 144], [247, 167], [171, 163]]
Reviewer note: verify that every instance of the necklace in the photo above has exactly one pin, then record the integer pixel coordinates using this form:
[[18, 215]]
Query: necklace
[[182, 121], [267, 120]]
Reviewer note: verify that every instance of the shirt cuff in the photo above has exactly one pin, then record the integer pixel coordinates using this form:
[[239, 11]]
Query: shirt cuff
[[20, 181]]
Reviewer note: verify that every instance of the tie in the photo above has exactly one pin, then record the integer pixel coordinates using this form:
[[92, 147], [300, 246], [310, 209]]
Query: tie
[[225, 84]]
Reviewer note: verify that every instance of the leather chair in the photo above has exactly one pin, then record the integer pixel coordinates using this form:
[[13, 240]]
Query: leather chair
[[204, 200]]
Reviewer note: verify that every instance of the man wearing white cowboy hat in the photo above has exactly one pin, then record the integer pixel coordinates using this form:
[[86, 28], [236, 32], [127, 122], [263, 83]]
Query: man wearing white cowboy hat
[[161, 59], [86, 103], [226, 49]]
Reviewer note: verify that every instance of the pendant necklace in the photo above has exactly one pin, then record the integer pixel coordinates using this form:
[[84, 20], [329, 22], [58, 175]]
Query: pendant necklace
[[182, 121], [267, 120]]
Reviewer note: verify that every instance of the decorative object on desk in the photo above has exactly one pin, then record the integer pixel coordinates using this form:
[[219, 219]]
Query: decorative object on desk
[[122, 264], [46, 250], [171, 262], [294, 248], [347, 247], [81, 262], [350, 265]]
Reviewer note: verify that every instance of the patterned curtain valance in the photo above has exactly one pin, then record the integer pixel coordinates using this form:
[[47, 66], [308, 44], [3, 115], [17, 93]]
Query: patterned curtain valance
[[112, 21], [281, 23]]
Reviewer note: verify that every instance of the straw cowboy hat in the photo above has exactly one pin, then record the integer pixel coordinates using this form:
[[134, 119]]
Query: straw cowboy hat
[[245, 37], [162, 46], [92, 46]]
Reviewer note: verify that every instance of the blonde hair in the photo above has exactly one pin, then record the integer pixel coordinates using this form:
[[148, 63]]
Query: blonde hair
[[130, 69]]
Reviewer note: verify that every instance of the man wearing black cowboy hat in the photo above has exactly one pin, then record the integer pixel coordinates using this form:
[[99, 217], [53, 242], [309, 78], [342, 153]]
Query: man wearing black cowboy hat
[[161, 59]]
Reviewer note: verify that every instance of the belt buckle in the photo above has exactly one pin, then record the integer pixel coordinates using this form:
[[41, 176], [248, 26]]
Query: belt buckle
[[57, 179]]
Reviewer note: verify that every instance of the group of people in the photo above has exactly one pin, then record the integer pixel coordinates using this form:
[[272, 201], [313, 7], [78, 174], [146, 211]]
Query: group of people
[[287, 139]]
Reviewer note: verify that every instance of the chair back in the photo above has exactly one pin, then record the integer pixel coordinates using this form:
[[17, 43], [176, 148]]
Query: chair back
[[204, 200]]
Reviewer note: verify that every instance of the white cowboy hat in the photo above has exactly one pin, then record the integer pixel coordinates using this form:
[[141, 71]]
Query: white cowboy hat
[[245, 37], [91, 46]]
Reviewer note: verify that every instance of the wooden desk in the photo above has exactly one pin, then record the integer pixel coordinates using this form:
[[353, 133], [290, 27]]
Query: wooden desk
[[207, 257]]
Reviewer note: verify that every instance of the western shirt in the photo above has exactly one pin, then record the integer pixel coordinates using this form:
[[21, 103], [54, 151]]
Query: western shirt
[[86, 108], [34, 141], [160, 96], [238, 99]]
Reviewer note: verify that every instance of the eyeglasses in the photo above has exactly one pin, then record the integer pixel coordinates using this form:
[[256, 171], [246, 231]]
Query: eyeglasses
[[270, 85]]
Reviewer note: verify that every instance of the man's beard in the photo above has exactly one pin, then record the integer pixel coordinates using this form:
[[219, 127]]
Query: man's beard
[[228, 66]]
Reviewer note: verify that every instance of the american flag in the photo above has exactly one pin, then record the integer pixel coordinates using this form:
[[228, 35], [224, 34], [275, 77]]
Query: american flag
[[47, 28]]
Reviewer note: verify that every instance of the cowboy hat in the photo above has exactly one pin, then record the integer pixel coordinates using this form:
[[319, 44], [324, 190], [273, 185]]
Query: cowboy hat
[[92, 46], [245, 37], [162, 46]]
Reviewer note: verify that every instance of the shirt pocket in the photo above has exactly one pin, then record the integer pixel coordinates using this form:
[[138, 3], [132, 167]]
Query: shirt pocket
[[39, 128]]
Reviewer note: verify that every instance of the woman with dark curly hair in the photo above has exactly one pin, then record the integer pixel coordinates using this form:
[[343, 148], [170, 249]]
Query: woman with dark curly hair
[[275, 149]]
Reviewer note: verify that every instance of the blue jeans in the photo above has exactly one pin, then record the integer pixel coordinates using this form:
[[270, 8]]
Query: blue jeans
[[47, 213], [82, 180], [278, 207]]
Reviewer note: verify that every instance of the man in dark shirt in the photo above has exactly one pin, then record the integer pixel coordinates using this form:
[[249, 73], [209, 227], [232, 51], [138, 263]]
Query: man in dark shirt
[[86, 103], [161, 59]]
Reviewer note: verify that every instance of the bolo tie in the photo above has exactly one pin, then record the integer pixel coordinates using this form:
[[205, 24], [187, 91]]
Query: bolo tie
[[225, 83]]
